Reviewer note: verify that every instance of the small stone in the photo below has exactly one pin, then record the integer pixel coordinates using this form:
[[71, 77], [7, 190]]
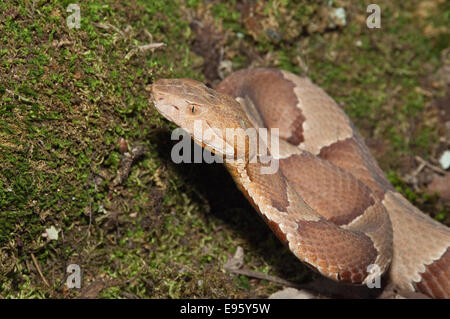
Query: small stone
[[445, 160], [123, 145], [273, 35], [225, 68], [51, 233], [292, 293], [102, 209], [339, 16], [237, 261]]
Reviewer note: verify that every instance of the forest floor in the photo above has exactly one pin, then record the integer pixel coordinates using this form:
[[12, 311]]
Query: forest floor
[[73, 101]]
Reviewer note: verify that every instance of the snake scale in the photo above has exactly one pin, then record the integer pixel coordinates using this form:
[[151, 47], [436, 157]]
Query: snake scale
[[329, 202]]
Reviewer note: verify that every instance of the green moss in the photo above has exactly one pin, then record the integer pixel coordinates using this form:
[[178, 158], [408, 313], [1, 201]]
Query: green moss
[[67, 96]]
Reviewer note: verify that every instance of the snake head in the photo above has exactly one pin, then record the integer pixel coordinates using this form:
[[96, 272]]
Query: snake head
[[207, 115]]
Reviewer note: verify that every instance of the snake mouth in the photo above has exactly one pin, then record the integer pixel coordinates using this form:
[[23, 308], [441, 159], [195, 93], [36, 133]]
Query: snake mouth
[[218, 149], [160, 102], [204, 144], [209, 146], [167, 110]]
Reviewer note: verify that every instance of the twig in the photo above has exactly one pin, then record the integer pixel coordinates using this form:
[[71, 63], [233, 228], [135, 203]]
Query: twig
[[36, 264], [149, 35], [431, 166], [418, 169], [150, 46], [235, 263], [130, 54], [21, 98], [412, 179], [90, 211], [108, 26], [263, 276], [126, 164], [143, 48]]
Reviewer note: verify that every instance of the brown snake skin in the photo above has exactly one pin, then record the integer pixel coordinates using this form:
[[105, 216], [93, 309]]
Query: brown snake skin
[[329, 202]]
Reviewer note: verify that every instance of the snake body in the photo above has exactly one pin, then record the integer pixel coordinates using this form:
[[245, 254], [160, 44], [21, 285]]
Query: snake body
[[329, 201]]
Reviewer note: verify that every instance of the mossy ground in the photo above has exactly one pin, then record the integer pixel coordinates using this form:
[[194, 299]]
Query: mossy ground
[[67, 96]]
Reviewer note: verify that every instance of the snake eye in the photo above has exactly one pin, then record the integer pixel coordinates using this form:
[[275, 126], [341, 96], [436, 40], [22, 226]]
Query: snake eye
[[193, 108]]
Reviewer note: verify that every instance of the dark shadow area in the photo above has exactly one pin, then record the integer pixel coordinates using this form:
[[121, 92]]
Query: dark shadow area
[[213, 183]]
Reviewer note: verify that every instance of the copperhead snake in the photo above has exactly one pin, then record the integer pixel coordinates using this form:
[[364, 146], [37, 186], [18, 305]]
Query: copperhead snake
[[329, 201]]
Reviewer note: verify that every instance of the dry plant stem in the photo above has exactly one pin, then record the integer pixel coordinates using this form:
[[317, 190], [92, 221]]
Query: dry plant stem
[[263, 276], [21, 98], [36, 264], [431, 166], [150, 46], [127, 162], [90, 212]]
